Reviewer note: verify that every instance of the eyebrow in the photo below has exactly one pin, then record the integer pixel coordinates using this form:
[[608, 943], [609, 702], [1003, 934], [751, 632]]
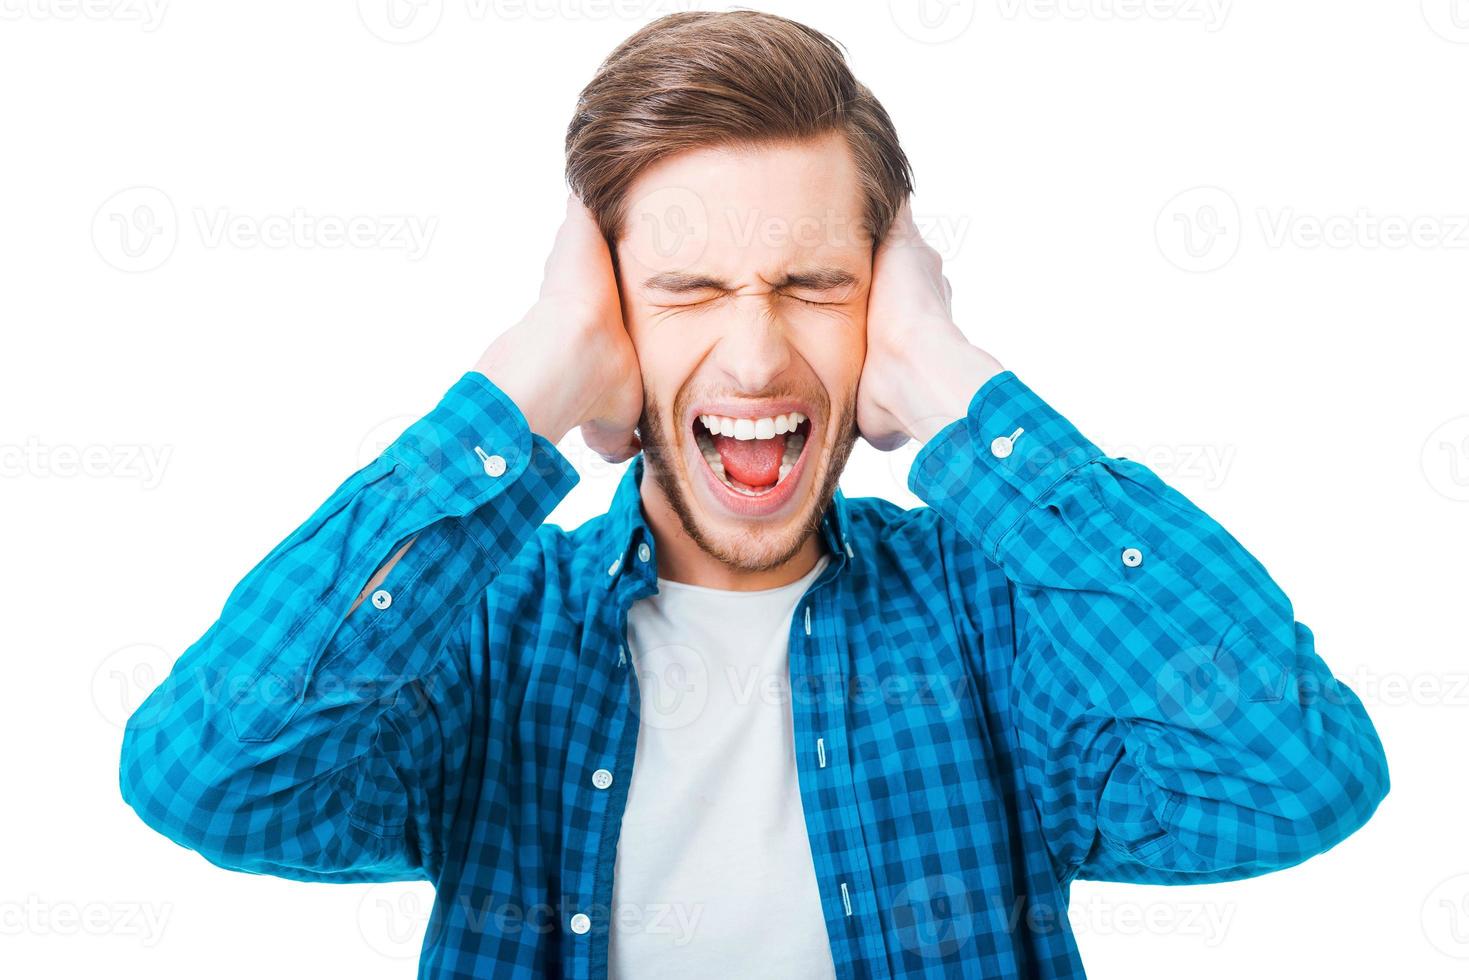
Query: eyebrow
[[683, 282]]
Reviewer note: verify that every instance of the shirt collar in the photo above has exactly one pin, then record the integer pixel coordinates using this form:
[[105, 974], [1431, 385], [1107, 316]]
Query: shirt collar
[[628, 532]]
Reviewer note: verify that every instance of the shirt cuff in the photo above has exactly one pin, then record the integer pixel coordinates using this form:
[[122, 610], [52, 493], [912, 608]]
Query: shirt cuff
[[475, 442], [984, 471], [473, 460]]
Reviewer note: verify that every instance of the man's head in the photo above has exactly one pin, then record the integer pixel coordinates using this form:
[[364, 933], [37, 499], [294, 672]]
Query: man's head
[[742, 178]]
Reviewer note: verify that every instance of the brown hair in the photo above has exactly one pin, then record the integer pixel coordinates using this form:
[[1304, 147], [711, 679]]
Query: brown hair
[[741, 78]]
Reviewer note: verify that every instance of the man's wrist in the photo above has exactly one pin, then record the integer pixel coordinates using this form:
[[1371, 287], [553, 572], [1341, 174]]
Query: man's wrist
[[944, 381], [511, 368], [524, 393]]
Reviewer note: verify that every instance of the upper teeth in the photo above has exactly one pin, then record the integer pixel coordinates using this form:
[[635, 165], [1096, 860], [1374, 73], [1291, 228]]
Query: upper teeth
[[766, 428]]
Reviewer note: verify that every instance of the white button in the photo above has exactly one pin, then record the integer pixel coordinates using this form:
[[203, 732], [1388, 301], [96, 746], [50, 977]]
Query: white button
[[382, 598], [612, 568], [1131, 557], [495, 465], [1003, 446], [644, 552], [601, 779], [580, 924]]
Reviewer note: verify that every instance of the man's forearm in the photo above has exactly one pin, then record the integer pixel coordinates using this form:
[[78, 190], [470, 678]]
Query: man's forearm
[[1172, 717], [536, 382], [266, 721]]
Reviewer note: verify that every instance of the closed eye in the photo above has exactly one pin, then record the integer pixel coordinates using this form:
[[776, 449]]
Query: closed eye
[[689, 304], [706, 301]]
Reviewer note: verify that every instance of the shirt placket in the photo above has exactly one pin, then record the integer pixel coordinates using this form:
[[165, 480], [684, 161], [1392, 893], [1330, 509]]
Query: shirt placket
[[604, 768], [818, 665]]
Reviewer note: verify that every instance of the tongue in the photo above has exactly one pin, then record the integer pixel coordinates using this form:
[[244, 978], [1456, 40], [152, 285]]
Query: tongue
[[753, 462]]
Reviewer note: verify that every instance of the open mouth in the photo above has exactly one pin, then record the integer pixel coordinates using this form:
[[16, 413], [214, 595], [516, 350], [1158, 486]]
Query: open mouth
[[752, 456]]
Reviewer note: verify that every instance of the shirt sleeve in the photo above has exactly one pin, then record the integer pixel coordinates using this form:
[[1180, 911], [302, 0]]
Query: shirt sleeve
[[296, 740], [1171, 718]]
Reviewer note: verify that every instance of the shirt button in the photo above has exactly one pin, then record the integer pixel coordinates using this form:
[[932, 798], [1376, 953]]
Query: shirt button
[[495, 465], [382, 598], [644, 552], [612, 568], [580, 924], [1001, 447], [1131, 557], [602, 779]]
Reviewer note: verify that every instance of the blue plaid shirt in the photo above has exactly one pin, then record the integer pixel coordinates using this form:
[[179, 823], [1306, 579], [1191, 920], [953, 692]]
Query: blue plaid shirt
[[1060, 668]]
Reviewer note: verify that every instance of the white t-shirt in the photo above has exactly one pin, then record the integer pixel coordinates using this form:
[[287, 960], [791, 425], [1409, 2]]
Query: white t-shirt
[[714, 877]]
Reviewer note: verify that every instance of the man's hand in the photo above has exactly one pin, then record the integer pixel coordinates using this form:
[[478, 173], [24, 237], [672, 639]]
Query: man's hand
[[920, 372], [569, 361]]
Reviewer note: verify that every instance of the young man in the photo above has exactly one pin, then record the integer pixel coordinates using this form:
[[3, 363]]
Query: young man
[[741, 725]]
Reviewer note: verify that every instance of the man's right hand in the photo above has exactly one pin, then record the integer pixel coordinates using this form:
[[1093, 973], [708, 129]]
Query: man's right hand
[[569, 362]]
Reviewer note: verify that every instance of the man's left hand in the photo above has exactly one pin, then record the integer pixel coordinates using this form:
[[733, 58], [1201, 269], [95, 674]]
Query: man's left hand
[[920, 371]]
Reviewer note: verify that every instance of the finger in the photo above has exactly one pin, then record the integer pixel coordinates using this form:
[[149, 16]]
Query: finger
[[579, 226], [612, 447], [885, 443], [578, 243], [902, 231], [624, 452]]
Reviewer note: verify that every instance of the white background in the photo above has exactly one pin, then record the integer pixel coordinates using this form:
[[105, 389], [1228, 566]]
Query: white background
[[1286, 345]]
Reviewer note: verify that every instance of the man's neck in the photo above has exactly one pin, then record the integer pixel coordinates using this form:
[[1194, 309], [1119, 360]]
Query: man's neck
[[680, 559]]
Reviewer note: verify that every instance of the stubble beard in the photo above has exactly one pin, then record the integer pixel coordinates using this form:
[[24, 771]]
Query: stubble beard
[[751, 552]]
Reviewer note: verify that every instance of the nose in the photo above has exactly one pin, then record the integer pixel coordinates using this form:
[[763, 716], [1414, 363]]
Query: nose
[[753, 349]]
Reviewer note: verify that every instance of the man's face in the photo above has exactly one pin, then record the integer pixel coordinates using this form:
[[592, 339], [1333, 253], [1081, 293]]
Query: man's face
[[744, 276]]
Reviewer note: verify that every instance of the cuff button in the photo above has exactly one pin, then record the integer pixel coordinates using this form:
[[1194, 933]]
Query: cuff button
[[1002, 446], [494, 465]]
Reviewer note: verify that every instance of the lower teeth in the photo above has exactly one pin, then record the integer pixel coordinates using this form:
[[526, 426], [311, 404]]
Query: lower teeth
[[794, 442]]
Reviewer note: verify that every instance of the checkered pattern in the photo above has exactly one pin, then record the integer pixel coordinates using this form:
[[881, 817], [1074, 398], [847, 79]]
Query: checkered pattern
[[989, 701]]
